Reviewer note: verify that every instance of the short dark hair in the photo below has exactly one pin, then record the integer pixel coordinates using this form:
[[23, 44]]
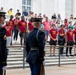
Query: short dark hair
[[10, 8], [17, 9]]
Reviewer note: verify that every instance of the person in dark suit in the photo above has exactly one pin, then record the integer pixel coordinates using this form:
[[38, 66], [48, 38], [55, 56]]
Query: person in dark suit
[[35, 44], [3, 49]]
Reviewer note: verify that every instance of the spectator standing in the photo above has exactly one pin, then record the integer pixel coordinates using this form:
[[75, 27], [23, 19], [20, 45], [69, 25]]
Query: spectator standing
[[75, 40], [22, 28], [70, 40], [53, 39], [44, 17], [11, 24], [59, 17], [8, 32], [18, 13], [47, 25], [16, 29], [58, 24], [70, 25], [10, 12], [1, 9], [32, 14], [36, 16], [25, 13], [61, 39], [53, 21], [71, 17], [30, 25], [66, 22], [54, 16], [39, 16]]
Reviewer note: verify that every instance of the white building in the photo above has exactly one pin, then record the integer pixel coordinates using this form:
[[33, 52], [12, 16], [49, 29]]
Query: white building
[[48, 7]]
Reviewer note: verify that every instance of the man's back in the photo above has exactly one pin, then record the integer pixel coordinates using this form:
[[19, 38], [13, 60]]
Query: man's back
[[32, 37], [35, 47], [32, 42]]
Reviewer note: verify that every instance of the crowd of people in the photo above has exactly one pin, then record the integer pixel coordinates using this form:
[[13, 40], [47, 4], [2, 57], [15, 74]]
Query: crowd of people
[[60, 32], [34, 31]]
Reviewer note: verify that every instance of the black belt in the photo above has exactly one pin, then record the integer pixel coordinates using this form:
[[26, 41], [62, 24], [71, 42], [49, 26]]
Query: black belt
[[34, 48]]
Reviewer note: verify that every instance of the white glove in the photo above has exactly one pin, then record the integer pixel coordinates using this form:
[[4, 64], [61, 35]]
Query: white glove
[[4, 67]]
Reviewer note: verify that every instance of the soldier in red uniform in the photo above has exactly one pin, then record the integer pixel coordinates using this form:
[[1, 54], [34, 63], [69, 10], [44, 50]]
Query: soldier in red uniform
[[69, 41], [53, 39], [22, 28]]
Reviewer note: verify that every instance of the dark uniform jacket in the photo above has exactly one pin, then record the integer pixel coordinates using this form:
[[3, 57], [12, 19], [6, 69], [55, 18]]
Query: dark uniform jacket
[[3, 50], [35, 56]]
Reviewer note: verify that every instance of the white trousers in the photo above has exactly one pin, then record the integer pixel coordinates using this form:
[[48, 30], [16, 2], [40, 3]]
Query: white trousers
[[8, 40]]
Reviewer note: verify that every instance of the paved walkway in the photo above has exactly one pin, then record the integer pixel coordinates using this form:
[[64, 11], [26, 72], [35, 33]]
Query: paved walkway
[[52, 70]]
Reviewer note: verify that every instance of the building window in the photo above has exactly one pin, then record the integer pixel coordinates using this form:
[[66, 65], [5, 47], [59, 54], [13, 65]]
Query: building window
[[26, 4]]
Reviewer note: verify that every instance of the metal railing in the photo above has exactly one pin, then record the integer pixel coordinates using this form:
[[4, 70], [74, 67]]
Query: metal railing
[[24, 51], [59, 64]]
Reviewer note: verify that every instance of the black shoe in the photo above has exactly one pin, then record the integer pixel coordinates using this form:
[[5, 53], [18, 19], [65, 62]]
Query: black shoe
[[50, 55], [67, 55], [74, 54], [54, 55], [71, 55]]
